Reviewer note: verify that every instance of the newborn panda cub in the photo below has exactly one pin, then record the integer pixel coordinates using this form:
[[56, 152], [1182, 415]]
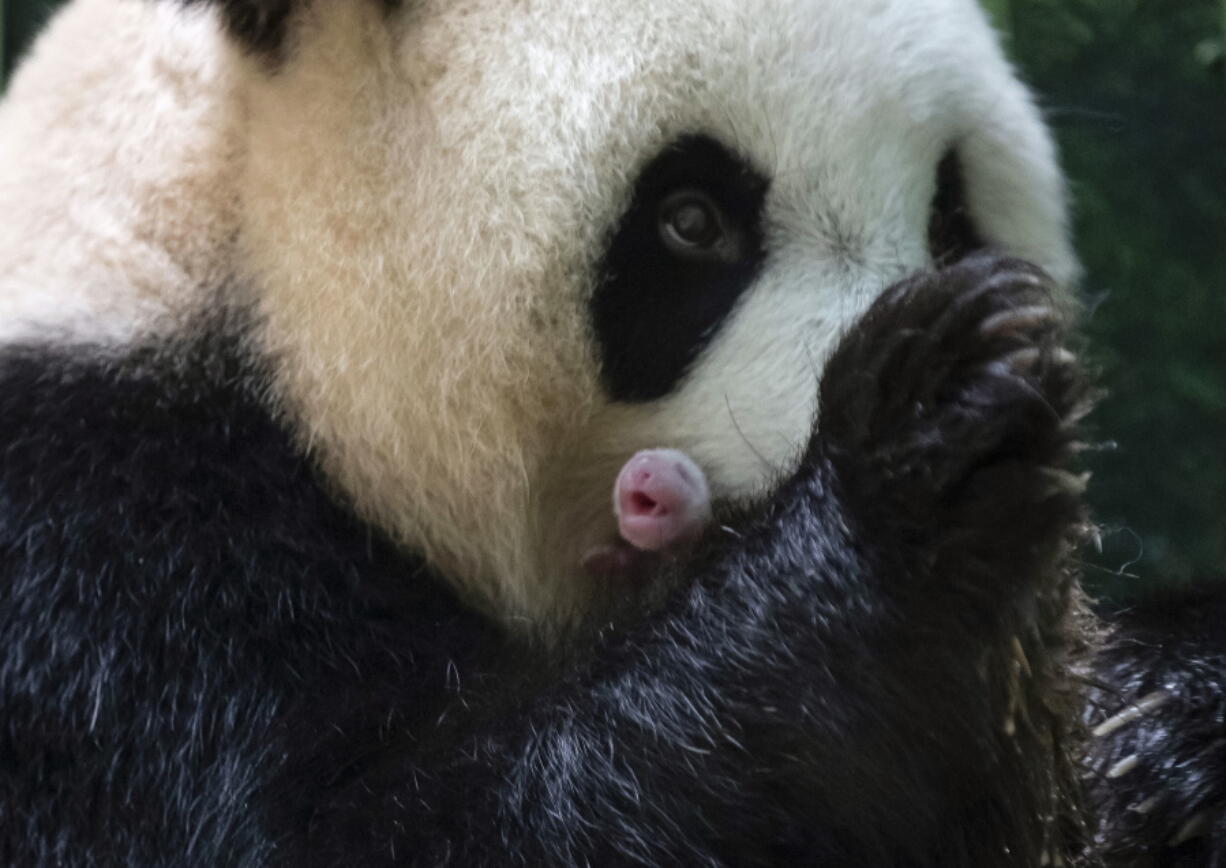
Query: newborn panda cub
[[662, 503]]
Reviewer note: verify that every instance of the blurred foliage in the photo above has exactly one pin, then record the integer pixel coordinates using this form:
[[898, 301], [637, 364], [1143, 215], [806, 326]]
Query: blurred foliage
[[1136, 91]]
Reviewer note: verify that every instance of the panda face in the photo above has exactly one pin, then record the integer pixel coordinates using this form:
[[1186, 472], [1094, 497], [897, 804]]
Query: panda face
[[494, 249]]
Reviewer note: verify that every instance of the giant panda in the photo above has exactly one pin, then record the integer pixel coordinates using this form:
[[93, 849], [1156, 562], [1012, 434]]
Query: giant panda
[[326, 327]]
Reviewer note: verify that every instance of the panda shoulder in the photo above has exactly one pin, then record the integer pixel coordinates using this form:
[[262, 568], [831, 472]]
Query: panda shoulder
[[121, 156]]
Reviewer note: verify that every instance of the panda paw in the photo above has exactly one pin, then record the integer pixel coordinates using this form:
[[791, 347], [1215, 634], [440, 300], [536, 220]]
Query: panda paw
[[949, 411]]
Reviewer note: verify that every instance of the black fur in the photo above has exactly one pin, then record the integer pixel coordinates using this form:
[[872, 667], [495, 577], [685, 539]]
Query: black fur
[[1157, 768], [209, 662], [174, 587], [262, 26], [951, 231], [653, 311]]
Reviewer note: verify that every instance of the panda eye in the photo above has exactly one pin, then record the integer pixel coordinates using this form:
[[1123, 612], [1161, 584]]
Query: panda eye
[[693, 226], [688, 246]]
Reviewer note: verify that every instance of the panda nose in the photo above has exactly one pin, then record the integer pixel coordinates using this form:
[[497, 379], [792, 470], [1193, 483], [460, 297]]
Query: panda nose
[[661, 500]]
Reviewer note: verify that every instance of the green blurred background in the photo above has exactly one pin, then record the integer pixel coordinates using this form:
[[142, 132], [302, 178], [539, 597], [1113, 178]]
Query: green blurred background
[[1136, 91]]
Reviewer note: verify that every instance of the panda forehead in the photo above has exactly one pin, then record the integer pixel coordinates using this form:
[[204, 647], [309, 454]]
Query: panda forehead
[[785, 83]]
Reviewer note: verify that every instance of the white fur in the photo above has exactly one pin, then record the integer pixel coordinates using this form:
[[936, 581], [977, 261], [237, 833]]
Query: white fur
[[424, 197], [118, 174]]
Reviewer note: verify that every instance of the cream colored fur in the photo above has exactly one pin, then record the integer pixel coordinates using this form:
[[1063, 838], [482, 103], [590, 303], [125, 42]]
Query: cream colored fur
[[424, 198], [118, 173]]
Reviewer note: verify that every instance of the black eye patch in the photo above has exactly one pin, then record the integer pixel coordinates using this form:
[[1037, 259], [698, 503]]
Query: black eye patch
[[683, 253]]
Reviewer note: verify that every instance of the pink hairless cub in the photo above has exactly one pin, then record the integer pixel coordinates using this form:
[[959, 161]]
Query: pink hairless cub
[[662, 504], [661, 501]]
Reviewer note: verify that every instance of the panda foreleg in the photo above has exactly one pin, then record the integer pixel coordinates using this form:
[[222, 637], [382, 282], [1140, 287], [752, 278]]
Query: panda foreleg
[[866, 670]]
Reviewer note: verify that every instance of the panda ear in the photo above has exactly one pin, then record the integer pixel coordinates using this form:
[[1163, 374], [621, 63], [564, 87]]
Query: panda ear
[[259, 25]]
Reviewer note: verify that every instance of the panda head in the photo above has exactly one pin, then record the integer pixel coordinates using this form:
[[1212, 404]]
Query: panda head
[[494, 248]]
